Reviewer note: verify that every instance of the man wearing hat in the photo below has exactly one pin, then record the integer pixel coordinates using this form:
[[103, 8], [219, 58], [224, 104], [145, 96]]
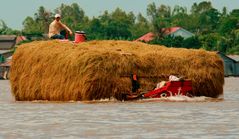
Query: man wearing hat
[[56, 27]]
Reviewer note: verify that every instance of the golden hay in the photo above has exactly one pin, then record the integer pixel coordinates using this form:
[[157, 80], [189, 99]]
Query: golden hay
[[64, 71]]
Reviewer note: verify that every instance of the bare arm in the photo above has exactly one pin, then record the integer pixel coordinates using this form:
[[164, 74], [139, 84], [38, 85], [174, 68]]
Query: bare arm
[[65, 27]]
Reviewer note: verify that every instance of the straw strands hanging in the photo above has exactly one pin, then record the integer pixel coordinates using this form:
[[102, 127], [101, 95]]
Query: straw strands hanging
[[64, 71]]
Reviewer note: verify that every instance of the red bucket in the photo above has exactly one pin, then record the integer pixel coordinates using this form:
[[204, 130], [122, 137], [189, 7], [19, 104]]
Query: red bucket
[[80, 36]]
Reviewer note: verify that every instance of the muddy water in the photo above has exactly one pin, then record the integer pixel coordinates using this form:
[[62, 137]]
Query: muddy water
[[174, 118]]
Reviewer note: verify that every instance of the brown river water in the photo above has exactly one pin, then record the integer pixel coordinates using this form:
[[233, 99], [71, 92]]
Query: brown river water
[[174, 118]]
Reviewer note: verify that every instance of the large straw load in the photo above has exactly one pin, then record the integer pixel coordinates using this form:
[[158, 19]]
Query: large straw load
[[64, 71]]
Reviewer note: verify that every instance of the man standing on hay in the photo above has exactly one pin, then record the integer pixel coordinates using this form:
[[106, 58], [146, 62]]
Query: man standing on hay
[[56, 27]]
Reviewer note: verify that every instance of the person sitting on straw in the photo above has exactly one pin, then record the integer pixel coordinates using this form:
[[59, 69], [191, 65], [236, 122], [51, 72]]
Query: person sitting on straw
[[56, 27]]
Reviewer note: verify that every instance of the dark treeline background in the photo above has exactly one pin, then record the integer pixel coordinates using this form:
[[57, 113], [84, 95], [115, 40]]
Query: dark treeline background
[[216, 30]]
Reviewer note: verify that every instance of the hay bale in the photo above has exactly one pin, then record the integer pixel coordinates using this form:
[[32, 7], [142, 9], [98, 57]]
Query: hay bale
[[63, 71]]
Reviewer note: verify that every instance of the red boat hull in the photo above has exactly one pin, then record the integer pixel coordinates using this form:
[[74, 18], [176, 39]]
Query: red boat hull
[[172, 88]]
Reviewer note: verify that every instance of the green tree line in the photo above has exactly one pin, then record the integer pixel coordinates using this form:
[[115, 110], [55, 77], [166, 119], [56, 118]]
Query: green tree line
[[215, 30]]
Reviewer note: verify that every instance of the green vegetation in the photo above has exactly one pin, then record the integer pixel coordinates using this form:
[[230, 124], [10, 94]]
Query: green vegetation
[[4, 29], [216, 30]]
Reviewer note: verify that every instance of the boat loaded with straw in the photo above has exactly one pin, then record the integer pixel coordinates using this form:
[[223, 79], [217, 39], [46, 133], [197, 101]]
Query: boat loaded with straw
[[94, 70]]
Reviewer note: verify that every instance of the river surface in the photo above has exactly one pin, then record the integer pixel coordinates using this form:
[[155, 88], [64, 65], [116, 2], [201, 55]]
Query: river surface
[[175, 118]]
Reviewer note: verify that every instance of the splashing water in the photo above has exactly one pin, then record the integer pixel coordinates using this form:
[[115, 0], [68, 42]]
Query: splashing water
[[178, 98]]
